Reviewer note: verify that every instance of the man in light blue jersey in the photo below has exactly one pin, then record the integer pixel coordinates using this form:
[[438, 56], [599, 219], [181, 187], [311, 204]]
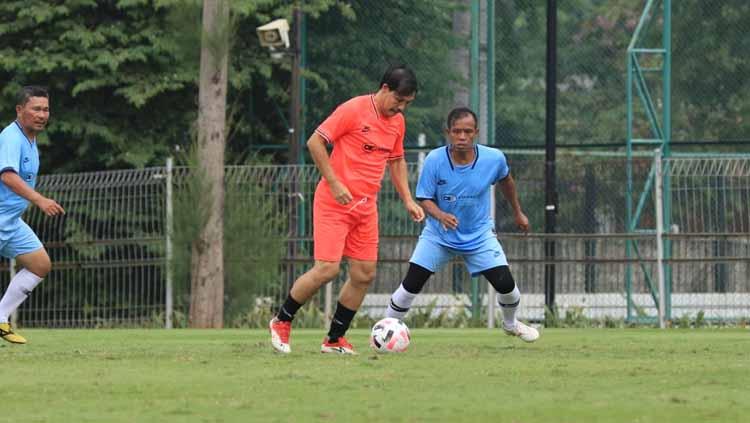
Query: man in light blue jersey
[[19, 165], [454, 189]]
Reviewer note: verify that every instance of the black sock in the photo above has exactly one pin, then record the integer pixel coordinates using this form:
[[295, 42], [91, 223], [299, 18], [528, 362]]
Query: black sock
[[288, 309], [342, 318]]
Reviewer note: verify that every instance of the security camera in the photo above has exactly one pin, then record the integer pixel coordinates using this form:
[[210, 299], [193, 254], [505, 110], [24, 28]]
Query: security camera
[[274, 34]]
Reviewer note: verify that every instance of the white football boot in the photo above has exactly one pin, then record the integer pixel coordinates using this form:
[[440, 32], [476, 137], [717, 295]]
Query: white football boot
[[523, 331]]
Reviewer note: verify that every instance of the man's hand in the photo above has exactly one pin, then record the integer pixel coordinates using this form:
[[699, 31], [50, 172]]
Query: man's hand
[[49, 206], [522, 222], [448, 221], [415, 211], [340, 192]]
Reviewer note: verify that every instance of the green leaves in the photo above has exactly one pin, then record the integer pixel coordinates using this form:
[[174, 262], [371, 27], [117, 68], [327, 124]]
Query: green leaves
[[131, 66]]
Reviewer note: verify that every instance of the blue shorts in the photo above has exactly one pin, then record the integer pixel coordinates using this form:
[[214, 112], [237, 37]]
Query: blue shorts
[[21, 240], [432, 256]]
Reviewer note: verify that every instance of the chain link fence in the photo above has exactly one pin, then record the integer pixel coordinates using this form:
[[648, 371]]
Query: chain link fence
[[109, 249], [109, 259]]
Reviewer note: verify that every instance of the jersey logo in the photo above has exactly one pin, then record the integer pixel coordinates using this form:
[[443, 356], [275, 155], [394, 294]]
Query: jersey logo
[[26, 159], [365, 129], [449, 198], [369, 147], [442, 182]]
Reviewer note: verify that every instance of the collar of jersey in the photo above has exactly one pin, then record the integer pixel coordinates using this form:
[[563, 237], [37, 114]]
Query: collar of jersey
[[23, 133], [374, 106], [450, 160]]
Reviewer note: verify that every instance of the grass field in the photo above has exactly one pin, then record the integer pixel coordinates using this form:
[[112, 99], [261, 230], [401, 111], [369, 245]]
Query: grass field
[[570, 375]]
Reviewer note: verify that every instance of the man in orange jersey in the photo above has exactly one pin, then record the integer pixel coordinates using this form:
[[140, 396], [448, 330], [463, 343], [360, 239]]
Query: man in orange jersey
[[367, 133]]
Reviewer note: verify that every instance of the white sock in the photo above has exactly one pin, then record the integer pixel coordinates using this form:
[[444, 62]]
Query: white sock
[[18, 290], [509, 304], [400, 303]]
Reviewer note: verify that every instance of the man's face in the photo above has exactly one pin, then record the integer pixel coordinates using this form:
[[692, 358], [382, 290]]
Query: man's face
[[33, 115], [462, 133], [394, 102]]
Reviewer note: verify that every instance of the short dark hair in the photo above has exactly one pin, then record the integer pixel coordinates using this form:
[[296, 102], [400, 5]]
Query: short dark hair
[[25, 93], [400, 79], [458, 113]]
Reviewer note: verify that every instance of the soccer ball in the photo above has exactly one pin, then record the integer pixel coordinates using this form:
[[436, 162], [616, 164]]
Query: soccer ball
[[389, 335]]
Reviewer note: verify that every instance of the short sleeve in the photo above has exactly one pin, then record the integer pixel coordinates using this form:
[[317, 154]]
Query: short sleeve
[[338, 123], [503, 170], [10, 154], [427, 184]]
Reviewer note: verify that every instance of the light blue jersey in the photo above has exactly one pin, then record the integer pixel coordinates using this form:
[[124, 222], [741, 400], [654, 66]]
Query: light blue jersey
[[463, 191], [19, 154]]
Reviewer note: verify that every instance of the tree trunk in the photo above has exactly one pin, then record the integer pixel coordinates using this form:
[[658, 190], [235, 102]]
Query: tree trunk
[[207, 265]]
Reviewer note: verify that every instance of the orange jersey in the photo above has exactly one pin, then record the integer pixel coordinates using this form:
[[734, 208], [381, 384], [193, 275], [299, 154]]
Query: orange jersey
[[363, 142]]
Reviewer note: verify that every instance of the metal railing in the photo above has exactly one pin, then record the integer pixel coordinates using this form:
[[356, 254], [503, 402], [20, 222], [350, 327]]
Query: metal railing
[[110, 257]]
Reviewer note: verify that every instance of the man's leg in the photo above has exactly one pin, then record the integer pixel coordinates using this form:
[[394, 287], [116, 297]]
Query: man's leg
[[427, 258], [331, 228], [34, 267], [361, 275], [489, 260], [509, 299], [303, 288], [401, 300], [509, 296]]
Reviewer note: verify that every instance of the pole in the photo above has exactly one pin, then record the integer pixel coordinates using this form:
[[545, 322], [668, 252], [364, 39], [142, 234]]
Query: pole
[[294, 103], [475, 105], [169, 293], [550, 208], [328, 302], [666, 149], [629, 189], [474, 57], [302, 52], [14, 316], [659, 206], [492, 295]]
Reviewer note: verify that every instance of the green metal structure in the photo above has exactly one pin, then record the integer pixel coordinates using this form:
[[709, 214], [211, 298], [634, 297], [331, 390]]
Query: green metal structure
[[659, 61]]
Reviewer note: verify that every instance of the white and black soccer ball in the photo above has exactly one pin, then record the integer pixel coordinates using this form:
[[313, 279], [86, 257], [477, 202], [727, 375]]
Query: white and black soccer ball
[[390, 335]]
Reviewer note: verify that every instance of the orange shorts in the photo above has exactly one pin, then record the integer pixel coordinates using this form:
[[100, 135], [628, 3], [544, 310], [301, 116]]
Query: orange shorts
[[345, 230]]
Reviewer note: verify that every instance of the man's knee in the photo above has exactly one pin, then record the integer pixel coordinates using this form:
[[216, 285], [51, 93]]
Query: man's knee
[[40, 267], [500, 278], [326, 271], [363, 274], [37, 263]]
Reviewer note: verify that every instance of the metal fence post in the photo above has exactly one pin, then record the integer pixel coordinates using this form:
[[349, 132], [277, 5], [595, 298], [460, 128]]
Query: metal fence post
[[168, 294], [328, 302], [14, 316], [491, 294], [658, 205]]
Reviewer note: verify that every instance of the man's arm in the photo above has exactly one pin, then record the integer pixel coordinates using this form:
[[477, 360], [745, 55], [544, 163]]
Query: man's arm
[[317, 147], [508, 187], [400, 180], [17, 185], [448, 220]]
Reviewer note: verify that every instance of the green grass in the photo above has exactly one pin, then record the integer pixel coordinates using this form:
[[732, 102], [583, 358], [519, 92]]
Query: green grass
[[570, 375]]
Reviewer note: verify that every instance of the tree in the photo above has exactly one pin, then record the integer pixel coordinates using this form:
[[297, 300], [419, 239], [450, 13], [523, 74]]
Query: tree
[[207, 267], [119, 96]]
